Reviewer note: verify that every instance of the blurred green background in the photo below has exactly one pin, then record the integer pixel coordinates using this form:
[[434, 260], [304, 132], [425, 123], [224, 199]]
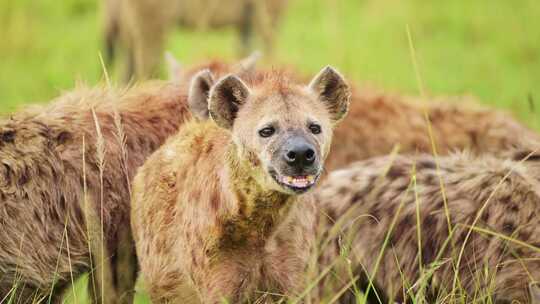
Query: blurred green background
[[486, 48]]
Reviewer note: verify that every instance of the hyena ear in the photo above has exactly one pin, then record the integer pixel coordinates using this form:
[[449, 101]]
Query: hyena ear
[[247, 65], [534, 292], [174, 68], [226, 98], [198, 93], [333, 91]]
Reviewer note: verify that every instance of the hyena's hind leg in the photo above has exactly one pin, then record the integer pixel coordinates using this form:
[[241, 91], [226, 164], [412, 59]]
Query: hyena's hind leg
[[113, 277], [125, 266]]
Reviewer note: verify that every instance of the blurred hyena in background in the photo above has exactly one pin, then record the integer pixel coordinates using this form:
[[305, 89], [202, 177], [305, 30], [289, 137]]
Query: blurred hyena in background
[[140, 26]]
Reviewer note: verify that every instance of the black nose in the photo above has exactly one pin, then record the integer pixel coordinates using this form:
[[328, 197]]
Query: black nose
[[300, 154]]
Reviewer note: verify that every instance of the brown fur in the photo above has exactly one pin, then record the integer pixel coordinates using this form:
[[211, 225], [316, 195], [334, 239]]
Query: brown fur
[[142, 25], [366, 196], [209, 221], [51, 188], [379, 122]]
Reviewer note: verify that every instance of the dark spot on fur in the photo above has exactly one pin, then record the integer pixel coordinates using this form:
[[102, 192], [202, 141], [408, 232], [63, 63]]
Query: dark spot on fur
[[343, 190], [425, 164], [406, 223], [63, 137], [23, 178], [8, 136], [214, 201], [485, 215], [395, 172], [474, 137], [7, 172], [509, 227], [332, 214], [513, 207]]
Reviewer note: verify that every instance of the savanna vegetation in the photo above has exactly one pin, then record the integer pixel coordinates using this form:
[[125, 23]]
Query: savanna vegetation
[[489, 49]]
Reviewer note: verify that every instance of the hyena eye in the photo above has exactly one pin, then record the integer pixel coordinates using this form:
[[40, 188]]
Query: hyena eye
[[267, 132], [315, 128]]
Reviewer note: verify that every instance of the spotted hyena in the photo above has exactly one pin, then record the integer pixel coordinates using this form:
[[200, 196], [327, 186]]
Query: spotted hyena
[[223, 210], [378, 122], [393, 208], [65, 171], [141, 26]]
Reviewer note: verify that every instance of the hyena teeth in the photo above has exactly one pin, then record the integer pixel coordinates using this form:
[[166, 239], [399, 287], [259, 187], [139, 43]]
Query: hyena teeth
[[299, 181]]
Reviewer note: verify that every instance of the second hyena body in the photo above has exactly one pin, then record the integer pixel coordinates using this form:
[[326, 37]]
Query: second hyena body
[[223, 209], [419, 259], [141, 26], [65, 188]]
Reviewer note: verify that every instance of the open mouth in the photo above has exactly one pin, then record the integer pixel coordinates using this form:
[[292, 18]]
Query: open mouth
[[299, 183]]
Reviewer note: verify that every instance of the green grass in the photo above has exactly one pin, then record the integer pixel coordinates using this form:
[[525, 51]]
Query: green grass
[[486, 48]]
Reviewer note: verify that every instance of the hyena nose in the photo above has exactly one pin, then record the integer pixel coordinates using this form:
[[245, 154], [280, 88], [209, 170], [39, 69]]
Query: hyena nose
[[300, 155]]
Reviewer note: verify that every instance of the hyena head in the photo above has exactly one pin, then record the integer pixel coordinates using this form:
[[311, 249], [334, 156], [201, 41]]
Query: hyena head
[[282, 130]]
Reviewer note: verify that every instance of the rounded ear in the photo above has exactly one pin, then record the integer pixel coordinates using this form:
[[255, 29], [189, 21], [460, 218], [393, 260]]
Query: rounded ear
[[333, 91], [174, 68], [198, 93], [247, 65], [226, 98]]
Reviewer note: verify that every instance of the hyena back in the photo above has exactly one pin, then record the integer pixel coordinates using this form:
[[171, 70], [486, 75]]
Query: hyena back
[[379, 122], [500, 198], [64, 188]]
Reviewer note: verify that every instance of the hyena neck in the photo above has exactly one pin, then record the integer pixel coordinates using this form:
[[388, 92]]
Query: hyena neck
[[258, 212]]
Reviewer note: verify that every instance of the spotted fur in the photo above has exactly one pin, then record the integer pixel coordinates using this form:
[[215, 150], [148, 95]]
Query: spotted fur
[[366, 196], [51, 188], [378, 122]]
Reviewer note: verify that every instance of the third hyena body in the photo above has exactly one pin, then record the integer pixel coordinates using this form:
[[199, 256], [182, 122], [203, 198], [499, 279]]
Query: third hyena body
[[378, 122], [504, 194]]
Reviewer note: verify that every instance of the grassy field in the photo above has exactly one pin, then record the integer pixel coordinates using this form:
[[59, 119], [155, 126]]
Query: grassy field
[[486, 48]]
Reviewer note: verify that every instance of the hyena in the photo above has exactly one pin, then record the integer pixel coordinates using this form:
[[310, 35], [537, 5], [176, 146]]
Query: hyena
[[392, 208], [64, 187], [141, 26], [65, 172], [223, 210], [378, 122]]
